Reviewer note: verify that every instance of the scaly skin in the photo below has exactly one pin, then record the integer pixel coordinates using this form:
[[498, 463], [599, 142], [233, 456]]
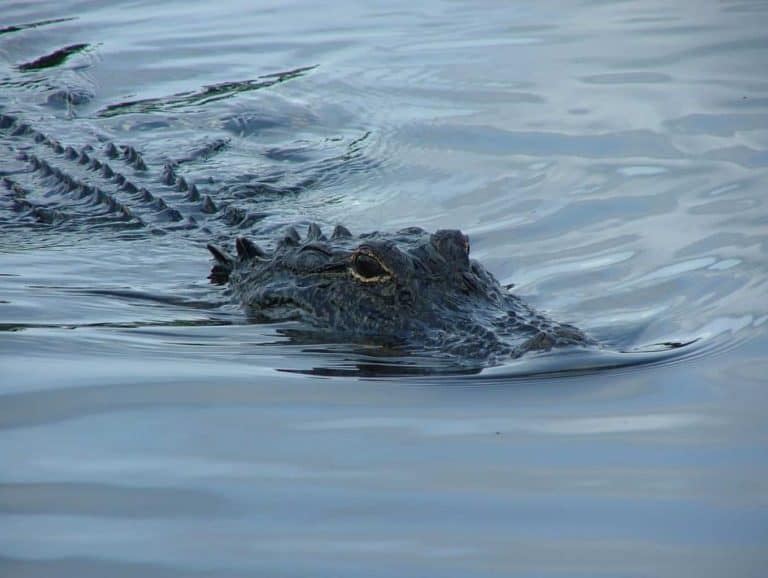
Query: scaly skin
[[405, 289]]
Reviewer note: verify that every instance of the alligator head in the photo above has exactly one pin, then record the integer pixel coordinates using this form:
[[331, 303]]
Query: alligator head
[[408, 289]]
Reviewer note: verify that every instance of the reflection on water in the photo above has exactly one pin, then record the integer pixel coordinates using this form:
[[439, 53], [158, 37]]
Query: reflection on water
[[607, 159]]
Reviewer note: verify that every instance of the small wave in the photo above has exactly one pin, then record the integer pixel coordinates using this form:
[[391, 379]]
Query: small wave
[[55, 58], [21, 27], [203, 96]]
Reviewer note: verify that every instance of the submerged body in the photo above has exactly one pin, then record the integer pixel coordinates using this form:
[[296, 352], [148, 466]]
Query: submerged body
[[406, 289]]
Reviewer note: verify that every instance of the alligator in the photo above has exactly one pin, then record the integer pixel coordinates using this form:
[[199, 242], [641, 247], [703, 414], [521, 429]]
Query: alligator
[[410, 289]]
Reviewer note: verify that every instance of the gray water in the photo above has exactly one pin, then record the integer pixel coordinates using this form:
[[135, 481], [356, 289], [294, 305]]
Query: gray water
[[608, 158]]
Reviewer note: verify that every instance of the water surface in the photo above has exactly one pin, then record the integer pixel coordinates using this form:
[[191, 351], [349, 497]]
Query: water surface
[[609, 159]]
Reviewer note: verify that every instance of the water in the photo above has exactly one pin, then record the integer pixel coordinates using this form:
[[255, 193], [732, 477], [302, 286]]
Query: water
[[608, 158]]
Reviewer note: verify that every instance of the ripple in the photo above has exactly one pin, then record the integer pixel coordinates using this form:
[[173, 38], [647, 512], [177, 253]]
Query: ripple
[[641, 171], [608, 158], [55, 58], [106, 500], [628, 78], [676, 269], [491, 140], [38, 24], [723, 125], [588, 426], [205, 95]]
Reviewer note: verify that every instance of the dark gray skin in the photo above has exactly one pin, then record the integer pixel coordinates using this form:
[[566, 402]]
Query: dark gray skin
[[410, 289]]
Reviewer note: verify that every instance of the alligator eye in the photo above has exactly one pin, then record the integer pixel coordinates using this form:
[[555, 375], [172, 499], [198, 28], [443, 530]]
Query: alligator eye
[[366, 268]]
